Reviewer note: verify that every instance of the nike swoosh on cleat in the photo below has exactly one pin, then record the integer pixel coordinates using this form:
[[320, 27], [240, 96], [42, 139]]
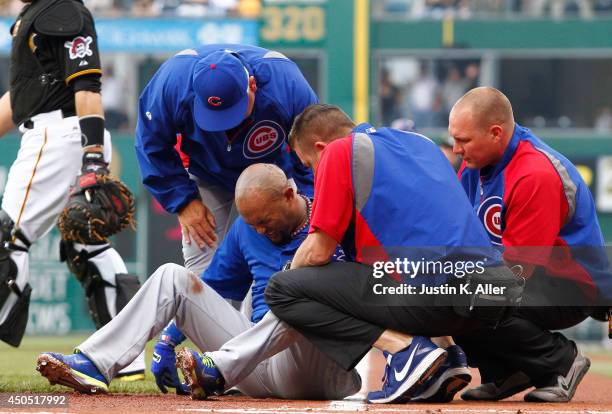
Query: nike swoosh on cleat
[[399, 376], [565, 384]]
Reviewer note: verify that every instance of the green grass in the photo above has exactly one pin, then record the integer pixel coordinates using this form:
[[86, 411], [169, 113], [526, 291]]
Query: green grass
[[18, 366], [601, 362], [604, 369]]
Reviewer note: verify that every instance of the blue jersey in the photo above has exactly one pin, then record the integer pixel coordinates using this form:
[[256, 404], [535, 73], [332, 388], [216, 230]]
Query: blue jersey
[[217, 158], [535, 197], [389, 195], [247, 258], [407, 194]]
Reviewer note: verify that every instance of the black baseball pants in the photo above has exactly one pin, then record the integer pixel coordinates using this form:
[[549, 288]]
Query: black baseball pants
[[333, 307], [550, 304]]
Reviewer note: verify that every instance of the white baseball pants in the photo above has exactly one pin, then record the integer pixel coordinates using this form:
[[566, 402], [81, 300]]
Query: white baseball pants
[[38, 183]]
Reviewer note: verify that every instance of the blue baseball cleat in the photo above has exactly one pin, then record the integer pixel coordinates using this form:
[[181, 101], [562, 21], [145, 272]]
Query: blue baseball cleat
[[453, 376], [75, 371], [200, 373], [407, 369]]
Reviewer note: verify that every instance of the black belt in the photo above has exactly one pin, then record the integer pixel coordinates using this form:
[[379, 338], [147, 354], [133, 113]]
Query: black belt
[[66, 113]]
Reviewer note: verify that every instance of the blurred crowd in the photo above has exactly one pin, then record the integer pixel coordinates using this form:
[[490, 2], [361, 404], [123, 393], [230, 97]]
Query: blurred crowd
[[419, 94], [465, 9], [428, 96], [154, 8], [411, 9]]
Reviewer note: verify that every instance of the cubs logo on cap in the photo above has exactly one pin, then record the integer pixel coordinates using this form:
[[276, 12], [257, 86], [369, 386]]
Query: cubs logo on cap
[[221, 88], [214, 101], [490, 213]]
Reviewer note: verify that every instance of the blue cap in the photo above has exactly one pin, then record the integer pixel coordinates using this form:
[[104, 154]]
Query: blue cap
[[220, 83]]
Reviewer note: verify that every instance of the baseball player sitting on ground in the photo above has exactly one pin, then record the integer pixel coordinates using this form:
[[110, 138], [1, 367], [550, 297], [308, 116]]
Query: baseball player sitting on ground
[[55, 100], [233, 106], [274, 223]]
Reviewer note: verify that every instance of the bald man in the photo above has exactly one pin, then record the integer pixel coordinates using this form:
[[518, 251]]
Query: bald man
[[261, 357], [530, 198]]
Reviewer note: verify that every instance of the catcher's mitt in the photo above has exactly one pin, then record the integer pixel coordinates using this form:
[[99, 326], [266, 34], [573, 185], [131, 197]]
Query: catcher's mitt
[[99, 206]]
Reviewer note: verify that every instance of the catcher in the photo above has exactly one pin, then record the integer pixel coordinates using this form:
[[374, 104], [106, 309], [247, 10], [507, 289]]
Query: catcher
[[99, 206], [54, 98]]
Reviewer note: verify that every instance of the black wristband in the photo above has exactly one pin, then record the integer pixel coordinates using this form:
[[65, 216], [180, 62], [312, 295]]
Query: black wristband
[[92, 130]]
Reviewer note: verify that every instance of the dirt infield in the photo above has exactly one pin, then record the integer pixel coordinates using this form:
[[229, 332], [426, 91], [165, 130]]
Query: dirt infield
[[594, 396]]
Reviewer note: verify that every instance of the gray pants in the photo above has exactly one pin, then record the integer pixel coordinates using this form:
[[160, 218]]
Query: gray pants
[[268, 359], [221, 204]]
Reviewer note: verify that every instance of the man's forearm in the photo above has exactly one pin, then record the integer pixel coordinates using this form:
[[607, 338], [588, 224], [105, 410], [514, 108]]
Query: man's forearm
[[316, 250], [6, 114], [299, 260], [88, 103]]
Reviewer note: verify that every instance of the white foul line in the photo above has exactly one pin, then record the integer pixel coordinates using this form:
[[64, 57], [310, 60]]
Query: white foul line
[[344, 406]]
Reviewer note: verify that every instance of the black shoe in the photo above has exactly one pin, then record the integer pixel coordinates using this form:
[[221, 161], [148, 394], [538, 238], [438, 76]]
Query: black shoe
[[500, 389], [565, 387]]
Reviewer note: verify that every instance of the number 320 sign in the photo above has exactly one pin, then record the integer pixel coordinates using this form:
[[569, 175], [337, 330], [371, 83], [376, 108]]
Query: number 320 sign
[[294, 23]]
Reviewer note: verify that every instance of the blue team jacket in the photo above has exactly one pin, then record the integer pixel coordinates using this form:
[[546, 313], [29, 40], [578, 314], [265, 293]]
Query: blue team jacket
[[246, 259], [408, 203], [165, 110], [528, 162]]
